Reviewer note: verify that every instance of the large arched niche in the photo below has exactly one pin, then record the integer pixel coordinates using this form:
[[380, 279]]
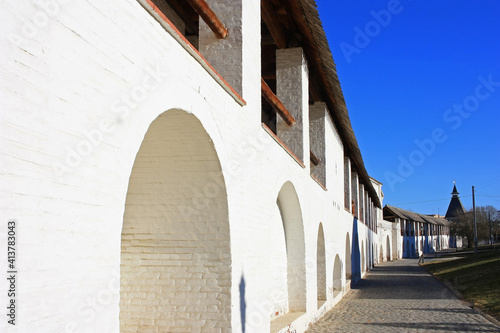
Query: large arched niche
[[293, 226], [337, 276], [362, 261], [175, 242], [348, 269], [321, 266], [388, 244]]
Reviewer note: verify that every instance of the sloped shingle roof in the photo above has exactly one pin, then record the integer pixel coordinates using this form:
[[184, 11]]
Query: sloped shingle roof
[[412, 216], [318, 50]]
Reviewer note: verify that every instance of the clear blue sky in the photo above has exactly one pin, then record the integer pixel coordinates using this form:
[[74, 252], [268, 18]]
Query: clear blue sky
[[421, 80]]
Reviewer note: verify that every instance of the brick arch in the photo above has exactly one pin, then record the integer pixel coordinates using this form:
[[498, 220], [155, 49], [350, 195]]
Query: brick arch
[[372, 257], [362, 262], [337, 276], [388, 245], [175, 245], [293, 226], [348, 265], [321, 266], [367, 255]]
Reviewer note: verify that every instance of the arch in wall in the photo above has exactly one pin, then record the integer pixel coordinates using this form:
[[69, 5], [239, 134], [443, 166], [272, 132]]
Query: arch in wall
[[348, 267], [356, 253], [408, 249], [372, 256], [321, 267], [362, 261], [291, 216], [381, 253], [388, 244], [337, 276], [175, 242], [367, 257]]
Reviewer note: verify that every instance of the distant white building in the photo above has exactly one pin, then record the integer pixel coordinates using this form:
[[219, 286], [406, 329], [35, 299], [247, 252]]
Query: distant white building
[[388, 240], [419, 234]]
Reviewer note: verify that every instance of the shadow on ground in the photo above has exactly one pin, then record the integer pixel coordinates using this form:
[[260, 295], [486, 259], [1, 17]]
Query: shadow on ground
[[401, 282]]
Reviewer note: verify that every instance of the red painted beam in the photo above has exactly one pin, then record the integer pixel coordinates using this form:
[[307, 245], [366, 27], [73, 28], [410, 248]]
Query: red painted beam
[[276, 103], [207, 14], [314, 159]]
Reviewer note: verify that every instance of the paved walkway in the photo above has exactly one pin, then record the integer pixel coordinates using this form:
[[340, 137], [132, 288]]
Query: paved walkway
[[400, 296]]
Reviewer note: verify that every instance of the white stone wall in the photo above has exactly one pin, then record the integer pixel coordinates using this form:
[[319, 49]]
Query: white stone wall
[[397, 240], [81, 90], [388, 241]]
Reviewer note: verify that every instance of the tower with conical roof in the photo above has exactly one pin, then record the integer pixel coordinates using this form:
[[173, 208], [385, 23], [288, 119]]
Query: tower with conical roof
[[455, 208]]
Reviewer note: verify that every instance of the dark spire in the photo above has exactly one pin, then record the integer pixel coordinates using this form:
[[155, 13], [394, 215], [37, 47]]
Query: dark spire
[[455, 192], [455, 208]]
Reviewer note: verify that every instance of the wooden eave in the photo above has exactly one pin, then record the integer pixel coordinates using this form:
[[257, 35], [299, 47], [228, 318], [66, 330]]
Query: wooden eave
[[202, 8], [317, 52]]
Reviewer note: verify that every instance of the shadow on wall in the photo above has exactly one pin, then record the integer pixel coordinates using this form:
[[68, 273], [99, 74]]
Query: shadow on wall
[[409, 250], [355, 254], [243, 303]]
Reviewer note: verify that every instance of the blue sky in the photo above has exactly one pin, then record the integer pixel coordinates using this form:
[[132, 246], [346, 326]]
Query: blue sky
[[421, 80]]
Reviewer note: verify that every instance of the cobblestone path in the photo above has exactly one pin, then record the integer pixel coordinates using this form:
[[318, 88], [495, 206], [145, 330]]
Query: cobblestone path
[[400, 296]]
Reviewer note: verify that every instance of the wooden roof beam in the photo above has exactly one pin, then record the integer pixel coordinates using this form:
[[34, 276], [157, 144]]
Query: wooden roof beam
[[207, 14], [273, 25], [276, 104], [314, 159], [269, 75]]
